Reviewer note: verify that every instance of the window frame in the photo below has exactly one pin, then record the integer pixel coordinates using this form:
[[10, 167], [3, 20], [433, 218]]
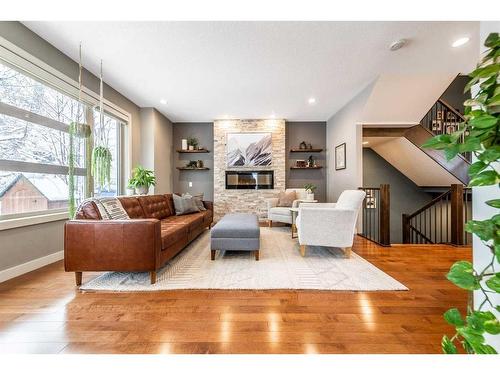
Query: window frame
[[20, 60]]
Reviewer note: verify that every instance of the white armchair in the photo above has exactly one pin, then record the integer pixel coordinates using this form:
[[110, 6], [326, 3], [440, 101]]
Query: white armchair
[[283, 214], [330, 224]]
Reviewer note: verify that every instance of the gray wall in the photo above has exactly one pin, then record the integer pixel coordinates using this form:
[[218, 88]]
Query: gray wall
[[406, 197], [203, 181], [309, 132], [454, 94], [23, 244]]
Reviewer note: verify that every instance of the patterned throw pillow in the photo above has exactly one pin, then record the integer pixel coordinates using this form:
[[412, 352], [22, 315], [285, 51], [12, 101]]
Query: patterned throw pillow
[[286, 198], [113, 208], [102, 211], [184, 205], [198, 200]]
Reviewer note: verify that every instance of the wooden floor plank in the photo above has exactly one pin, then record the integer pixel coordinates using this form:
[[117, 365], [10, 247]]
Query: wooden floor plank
[[43, 312]]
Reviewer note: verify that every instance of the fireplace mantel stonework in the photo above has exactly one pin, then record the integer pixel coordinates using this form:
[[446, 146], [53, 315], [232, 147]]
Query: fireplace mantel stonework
[[250, 201]]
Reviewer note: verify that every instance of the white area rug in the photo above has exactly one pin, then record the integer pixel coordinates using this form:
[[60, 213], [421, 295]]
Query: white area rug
[[280, 267]]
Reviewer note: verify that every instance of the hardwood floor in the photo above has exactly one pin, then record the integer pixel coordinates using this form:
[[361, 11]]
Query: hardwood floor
[[43, 312]]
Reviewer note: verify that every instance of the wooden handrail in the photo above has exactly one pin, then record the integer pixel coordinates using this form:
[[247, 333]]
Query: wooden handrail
[[430, 204], [421, 234], [451, 109]]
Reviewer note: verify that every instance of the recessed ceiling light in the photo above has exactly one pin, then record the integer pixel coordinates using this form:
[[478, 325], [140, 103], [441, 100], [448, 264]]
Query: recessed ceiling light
[[398, 44], [365, 142], [460, 42], [163, 101], [311, 100]]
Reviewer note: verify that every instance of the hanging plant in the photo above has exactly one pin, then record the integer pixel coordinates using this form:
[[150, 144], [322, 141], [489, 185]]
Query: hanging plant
[[101, 166], [482, 137]]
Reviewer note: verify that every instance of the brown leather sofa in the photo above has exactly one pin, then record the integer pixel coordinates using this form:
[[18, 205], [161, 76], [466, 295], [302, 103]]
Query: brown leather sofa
[[152, 236]]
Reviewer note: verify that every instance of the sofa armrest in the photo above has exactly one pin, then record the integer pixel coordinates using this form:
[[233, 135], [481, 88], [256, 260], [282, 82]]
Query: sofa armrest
[[112, 245], [208, 205]]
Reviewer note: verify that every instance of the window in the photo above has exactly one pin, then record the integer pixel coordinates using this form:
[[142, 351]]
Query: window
[[34, 146]]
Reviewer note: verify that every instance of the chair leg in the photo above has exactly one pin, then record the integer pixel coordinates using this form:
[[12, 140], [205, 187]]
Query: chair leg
[[153, 277], [257, 254], [270, 223], [347, 252], [303, 250], [78, 278], [212, 254]]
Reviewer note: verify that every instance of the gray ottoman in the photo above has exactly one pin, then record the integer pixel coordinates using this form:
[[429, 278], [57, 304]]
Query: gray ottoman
[[236, 232]]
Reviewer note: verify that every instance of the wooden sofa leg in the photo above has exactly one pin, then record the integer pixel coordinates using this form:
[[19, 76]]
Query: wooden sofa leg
[[347, 252], [78, 278], [270, 223], [303, 250], [212, 254], [257, 254], [153, 277]]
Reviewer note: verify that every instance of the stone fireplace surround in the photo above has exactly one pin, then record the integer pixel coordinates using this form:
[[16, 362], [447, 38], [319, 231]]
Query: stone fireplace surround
[[249, 201]]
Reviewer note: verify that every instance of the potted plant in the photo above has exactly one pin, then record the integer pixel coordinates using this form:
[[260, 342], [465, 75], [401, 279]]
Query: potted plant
[[310, 188], [130, 190], [142, 179], [192, 143]]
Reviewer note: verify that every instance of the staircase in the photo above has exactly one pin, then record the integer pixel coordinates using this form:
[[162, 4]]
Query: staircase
[[442, 220]]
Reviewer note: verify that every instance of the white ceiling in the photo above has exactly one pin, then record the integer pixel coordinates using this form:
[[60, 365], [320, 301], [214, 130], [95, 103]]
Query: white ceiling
[[209, 70]]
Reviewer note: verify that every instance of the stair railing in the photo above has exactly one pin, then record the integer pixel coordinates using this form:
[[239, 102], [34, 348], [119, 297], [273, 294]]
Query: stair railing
[[375, 215], [442, 118], [442, 220]]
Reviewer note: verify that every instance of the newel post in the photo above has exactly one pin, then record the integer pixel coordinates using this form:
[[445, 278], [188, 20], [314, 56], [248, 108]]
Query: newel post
[[385, 215], [457, 214]]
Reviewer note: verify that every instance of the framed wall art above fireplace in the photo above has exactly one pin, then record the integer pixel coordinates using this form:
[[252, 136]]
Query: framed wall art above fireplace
[[249, 149]]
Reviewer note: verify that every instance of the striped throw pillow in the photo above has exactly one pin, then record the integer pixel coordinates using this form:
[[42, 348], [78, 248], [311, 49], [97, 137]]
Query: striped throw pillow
[[113, 208]]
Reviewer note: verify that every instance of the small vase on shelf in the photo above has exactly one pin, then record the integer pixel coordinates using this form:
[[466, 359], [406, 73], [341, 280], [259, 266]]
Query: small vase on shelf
[[184, 144]]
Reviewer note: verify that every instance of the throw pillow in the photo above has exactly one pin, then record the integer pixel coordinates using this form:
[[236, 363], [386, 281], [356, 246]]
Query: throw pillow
[[198, 200], [114, 208], [184, 205], [286, 198]]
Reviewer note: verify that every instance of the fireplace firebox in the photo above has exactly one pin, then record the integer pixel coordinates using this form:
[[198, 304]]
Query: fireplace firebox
[[250, 180]]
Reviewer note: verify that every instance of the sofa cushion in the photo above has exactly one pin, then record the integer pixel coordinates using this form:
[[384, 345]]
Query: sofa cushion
[[170, 203], [171, 233], [155, 206], [88, 210], [133, 207], [285, 211], [191, 221]]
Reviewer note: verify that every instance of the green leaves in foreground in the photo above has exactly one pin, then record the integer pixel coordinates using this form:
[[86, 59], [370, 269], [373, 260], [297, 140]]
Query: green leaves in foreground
[[462, 274], [479, 134]]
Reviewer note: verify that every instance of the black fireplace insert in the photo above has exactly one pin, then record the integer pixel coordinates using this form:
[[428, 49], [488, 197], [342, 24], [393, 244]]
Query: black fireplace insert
[[253, 180]]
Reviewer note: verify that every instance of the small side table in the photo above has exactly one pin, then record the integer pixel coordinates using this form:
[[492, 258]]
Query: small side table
[[295, 212]]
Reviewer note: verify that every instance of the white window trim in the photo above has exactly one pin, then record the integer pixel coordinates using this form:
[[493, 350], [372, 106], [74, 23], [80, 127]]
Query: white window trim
[[20, 59]]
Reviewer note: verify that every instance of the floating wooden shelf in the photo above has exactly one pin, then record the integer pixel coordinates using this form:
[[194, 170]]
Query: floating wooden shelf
[[192, 169], [306, 150], [192, 151], [316, 167]]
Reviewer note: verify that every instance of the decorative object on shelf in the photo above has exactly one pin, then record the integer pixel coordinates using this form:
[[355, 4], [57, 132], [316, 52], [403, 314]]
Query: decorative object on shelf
[[101, 154], [184, 144], [142, 179], [192, 143], [303, 145], [310, 188], [482, 119], [192, 164], [301, 164], [199, 164], [340, 157], [311, 162], [250, 149], [309, 146]]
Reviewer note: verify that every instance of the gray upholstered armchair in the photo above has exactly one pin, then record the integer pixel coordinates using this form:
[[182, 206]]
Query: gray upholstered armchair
[[283, 214]]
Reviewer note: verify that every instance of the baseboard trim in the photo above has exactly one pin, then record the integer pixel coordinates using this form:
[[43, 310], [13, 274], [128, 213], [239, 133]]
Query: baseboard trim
[[32, 265]]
